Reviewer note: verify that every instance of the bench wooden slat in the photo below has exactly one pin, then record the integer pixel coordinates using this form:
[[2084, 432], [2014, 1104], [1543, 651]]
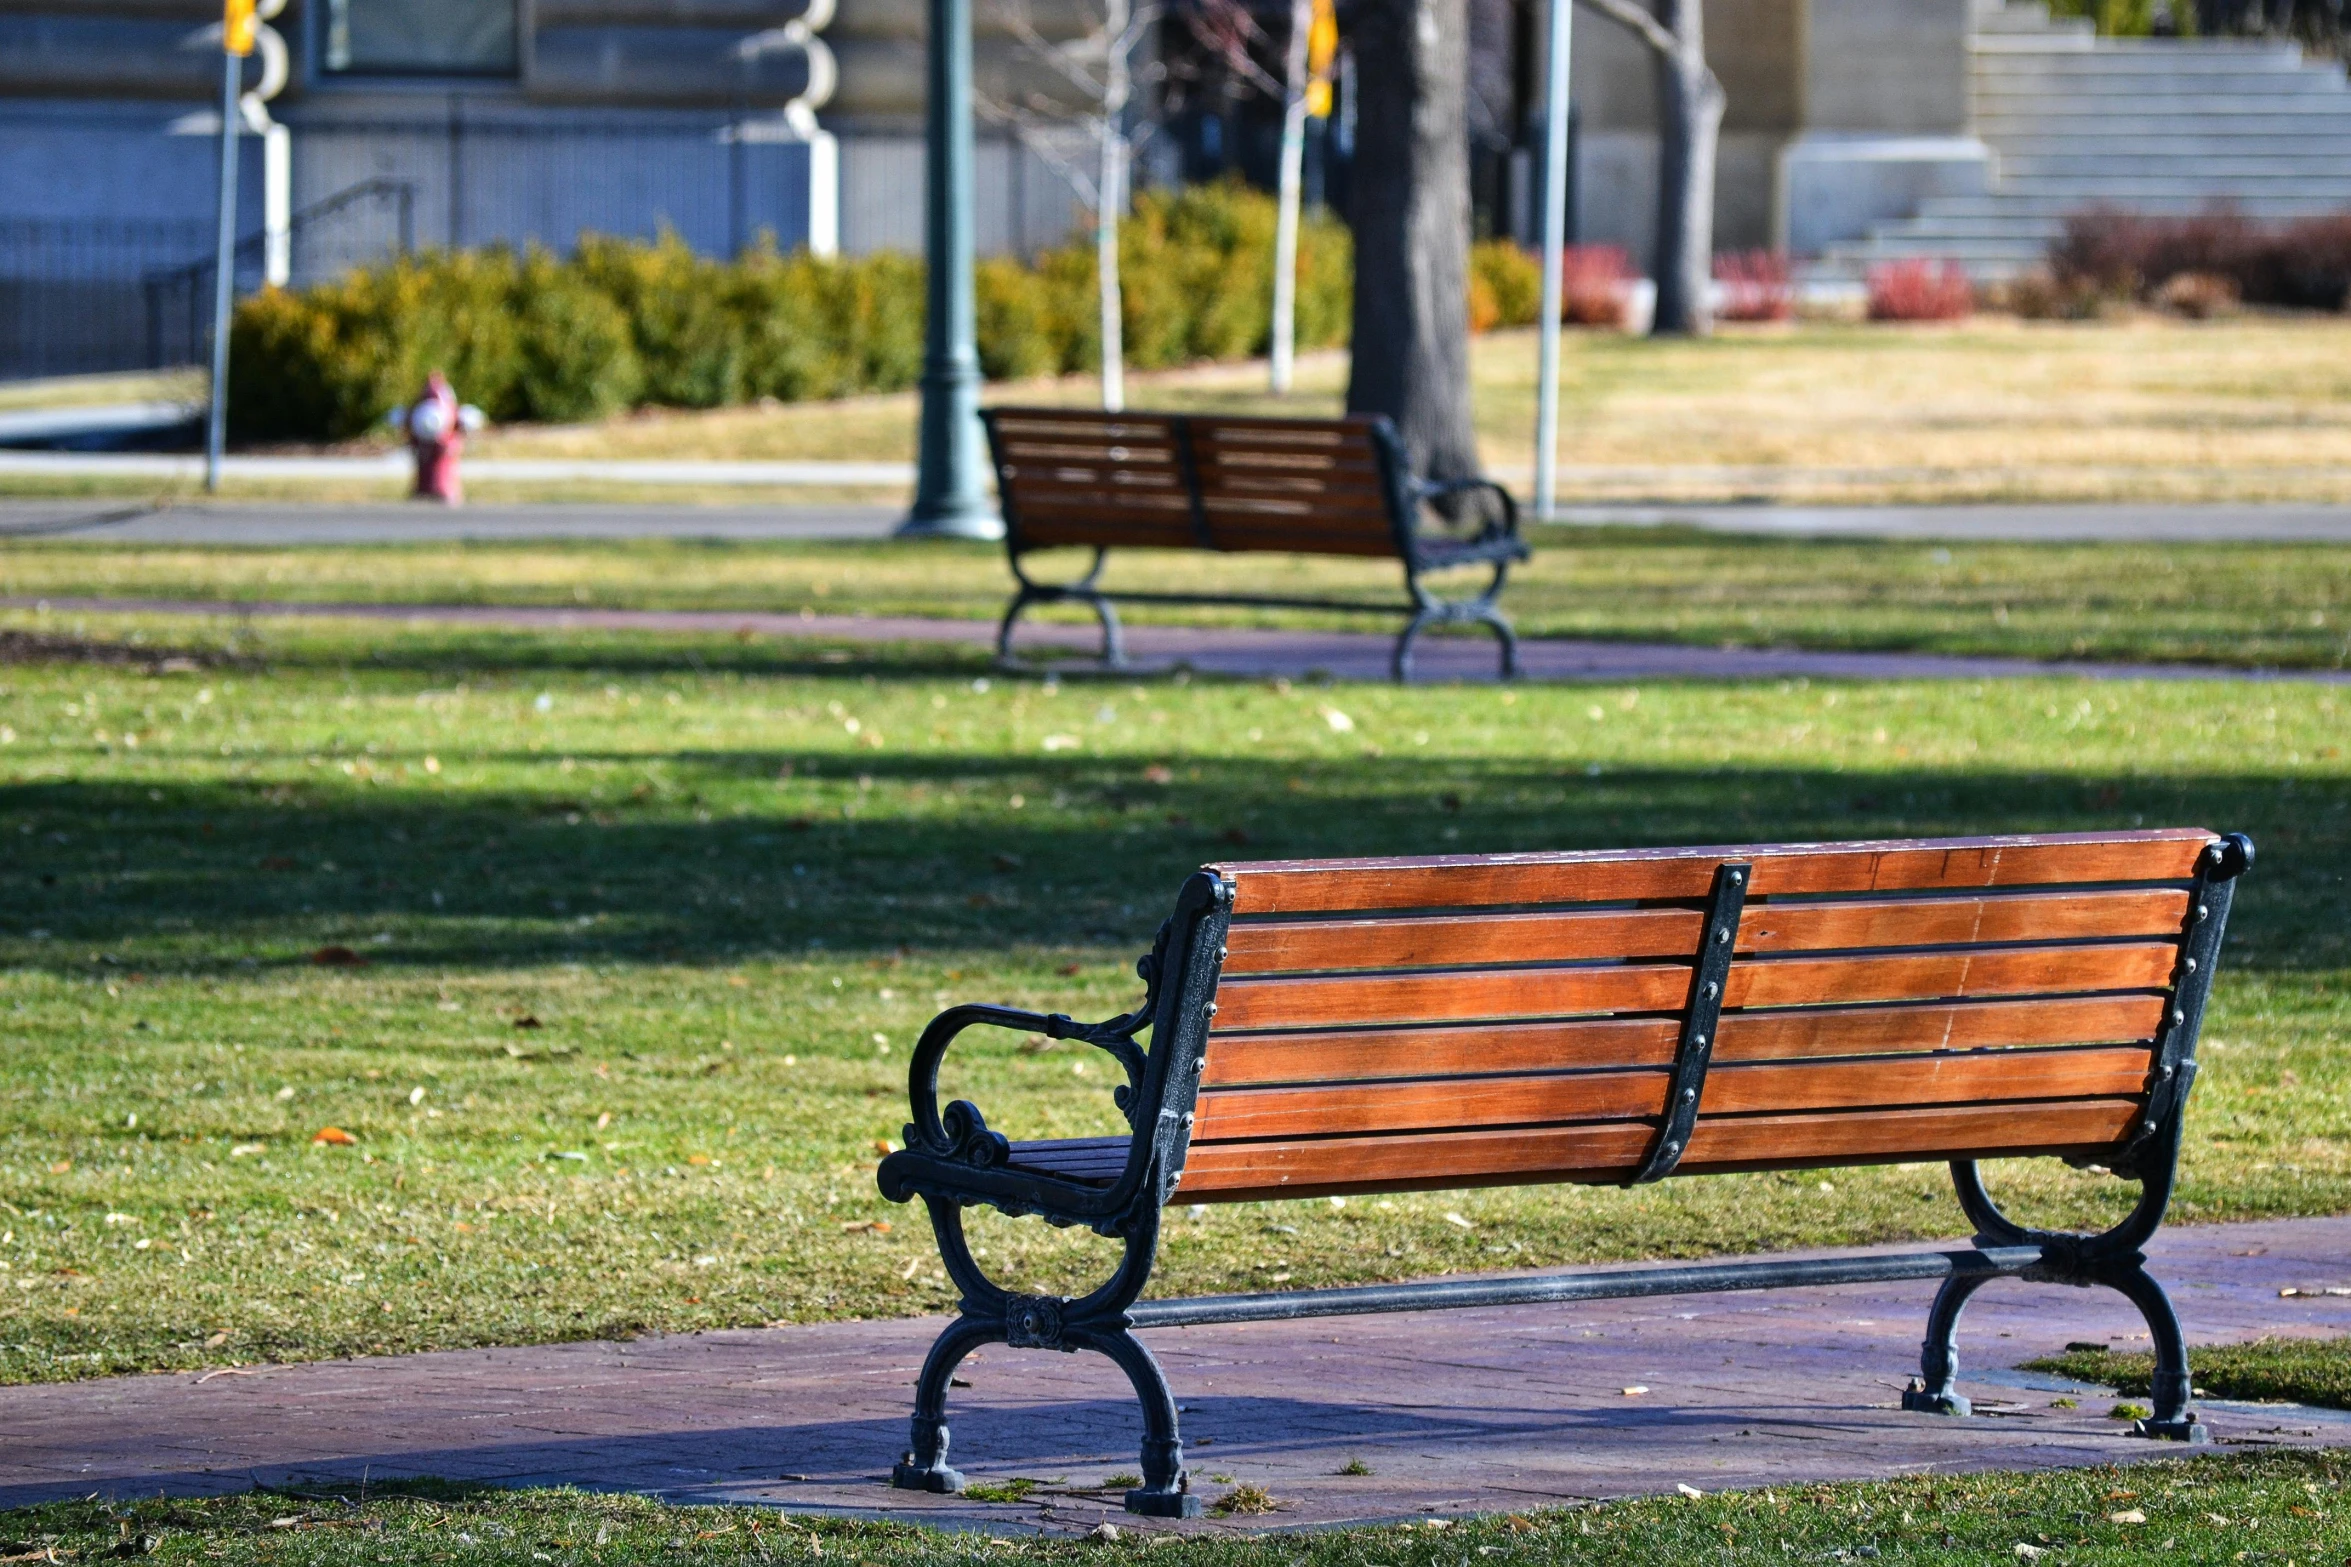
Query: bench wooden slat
[[1451, 993], [1441, 1104], [1241, 1172], [1438, 1104], [1465, 881], [1925, 922], [1966, 1025], [1460, 939], [1941, 1078], [1453, 939], [1949, 974], [1769, 1142], [1609, 1151], [1367, 1055], [1438, 995]]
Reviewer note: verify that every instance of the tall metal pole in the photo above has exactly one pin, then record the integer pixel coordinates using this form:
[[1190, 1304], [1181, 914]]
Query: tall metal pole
[[1285, 229], [1555, 155], [949, 498], [224, 263]]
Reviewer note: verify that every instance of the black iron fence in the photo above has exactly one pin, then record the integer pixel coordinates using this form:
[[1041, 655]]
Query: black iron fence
[[85, 297]]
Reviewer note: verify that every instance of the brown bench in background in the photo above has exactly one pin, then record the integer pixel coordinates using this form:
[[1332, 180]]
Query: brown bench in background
[[1342, 1026], [1104, 481]]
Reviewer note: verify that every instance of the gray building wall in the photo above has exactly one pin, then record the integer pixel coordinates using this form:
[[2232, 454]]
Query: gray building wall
[[1840, 112]]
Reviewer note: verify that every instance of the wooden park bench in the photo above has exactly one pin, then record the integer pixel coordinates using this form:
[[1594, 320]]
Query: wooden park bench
[[1103, 481], [1339, 1026]]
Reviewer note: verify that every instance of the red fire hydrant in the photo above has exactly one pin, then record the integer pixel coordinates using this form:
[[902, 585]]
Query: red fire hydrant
[[436, 427]]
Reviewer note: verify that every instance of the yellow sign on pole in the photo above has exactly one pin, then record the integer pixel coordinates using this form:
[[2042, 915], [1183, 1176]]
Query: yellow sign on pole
[[1322, 48], [237, 27]]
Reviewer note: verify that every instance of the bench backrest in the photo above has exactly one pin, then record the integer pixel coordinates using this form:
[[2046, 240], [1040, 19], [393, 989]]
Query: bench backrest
[[1195, 481], [1462, 1021]]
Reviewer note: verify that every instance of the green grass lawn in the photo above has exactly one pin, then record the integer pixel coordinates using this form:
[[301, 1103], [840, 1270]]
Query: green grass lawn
[[2236, 604], [2274, 1507], [2298, 1370], [640, 929]]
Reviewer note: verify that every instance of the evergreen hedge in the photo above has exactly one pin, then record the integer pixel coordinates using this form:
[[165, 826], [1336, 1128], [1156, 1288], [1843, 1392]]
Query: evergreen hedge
[[623, 324]]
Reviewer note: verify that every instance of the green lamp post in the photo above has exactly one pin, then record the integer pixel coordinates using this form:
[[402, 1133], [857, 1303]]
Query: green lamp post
[[950, 494]]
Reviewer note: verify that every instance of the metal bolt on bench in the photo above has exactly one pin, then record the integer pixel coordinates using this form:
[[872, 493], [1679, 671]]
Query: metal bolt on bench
[[1321, 1027]]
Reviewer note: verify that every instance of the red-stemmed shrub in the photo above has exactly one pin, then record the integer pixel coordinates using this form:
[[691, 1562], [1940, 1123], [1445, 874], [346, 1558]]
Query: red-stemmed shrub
[[1595, 285], [1916, 289], [1756, 286], [2304, 263]]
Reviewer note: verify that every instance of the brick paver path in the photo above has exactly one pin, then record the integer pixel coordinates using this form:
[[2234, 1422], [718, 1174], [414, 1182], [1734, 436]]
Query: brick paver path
[[1224, 650], [1452, 1411]]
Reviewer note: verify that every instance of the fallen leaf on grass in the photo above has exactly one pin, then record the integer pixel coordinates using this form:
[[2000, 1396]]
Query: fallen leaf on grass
[[337, 957], [2127, 1515], [61, 1167], [242, 1149], [334, 1135], [528, 1021], [873, 1226]]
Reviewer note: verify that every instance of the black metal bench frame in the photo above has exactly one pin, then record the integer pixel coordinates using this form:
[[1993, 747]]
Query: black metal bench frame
[[1496, 545], [953, 1160]]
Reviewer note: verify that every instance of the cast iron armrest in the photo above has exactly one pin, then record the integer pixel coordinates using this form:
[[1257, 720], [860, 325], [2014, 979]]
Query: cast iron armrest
[[960, 1132], [1507, 528]]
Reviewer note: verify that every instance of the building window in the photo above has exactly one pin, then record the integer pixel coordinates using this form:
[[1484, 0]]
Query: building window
[[420, 37]]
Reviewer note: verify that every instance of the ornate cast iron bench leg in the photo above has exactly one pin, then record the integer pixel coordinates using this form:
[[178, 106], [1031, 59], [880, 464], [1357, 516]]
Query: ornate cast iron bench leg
[[1430, 610], [1098, 1321], [1936, 1392], [1114, 652], [2111, 1260]]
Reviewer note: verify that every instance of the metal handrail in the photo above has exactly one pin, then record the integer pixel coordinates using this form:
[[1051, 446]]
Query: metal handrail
[[192, 275]]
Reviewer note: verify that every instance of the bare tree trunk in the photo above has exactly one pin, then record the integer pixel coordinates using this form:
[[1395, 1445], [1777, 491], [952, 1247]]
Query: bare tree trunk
[[1409, 208], [1690, 107]]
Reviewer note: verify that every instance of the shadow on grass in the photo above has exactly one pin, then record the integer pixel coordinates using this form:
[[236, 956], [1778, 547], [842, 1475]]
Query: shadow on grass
[[891, 852]]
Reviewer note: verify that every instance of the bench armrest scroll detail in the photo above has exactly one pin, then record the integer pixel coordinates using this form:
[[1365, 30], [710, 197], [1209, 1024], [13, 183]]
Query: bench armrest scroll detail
[[1504, 528]]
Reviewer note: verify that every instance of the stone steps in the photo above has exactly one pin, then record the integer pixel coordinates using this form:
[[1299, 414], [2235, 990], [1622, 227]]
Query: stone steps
[[2156, 125]]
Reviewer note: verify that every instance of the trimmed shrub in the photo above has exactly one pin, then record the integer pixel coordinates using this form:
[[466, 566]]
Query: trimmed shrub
[[1014, 322], [1756, 286], [690, 343], [1505, 286], [1916, 289], [576, 358], [623, 322]]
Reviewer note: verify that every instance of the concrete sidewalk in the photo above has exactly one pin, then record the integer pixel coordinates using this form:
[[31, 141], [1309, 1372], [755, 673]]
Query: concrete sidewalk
[[131, 521], [1452, 1412], [1224, 650]]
